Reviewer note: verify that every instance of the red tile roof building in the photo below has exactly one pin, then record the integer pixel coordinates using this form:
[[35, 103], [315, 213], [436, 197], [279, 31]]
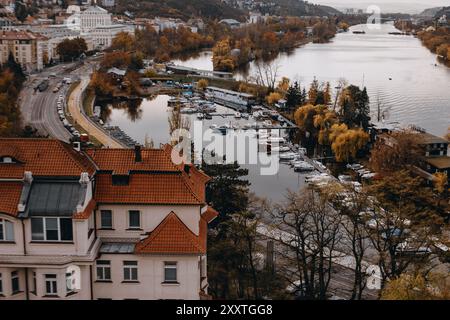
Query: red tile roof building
[[125, 206]]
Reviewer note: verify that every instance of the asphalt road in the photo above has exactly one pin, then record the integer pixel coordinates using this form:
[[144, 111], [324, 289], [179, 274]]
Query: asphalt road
[[39, 109]]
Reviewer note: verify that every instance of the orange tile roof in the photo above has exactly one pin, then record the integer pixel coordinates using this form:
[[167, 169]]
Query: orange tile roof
[[43, 157], [146, 188], [21, 35], [121, 161], [171, 236], [86, 213], [9, 197], [210, 214]]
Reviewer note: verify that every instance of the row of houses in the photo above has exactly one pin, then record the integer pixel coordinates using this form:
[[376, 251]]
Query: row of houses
[[100, 223], [34, 45]]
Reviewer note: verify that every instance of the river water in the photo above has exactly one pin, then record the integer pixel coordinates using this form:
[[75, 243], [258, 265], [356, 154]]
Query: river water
[[418, 92], [405, 77]]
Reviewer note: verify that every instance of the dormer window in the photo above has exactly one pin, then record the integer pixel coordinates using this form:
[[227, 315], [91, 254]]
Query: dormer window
[[120, 180], [7, 160]]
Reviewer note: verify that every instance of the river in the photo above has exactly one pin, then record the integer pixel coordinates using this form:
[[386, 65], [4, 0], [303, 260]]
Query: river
[[405, 77], [418, 92]]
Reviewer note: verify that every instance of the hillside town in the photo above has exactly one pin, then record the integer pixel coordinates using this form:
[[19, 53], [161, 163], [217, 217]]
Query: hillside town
[[255, 151]]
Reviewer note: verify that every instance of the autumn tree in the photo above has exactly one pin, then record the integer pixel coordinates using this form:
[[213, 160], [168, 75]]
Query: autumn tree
[[222, 59], [313, 92], [416, 286], [273, 98], [202, 84], [70, 49], [123, 41], [405, 218], [396, 151], [118, 59], [283, 85], [101, 84], [347, 145]]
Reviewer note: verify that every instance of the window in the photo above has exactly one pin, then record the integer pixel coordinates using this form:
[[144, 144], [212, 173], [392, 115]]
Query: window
[[130, 271], [15, 282], [1, 284], [170, 272], [51, 229], [70, 281], [134, 219], [106, 219], [103, 270], [6, 230], [34, 289], [51, 285]]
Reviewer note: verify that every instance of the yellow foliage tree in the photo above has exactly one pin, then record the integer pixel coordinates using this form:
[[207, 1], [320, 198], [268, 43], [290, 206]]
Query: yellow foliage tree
[[123, 41], [347, 144], [324, 121], [283, 85], [273, 97], [336, 130], [416, 287], [440, 182], [222, 59], [202, 84]]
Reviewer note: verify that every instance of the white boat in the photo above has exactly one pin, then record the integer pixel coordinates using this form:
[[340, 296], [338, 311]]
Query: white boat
[[319, 164], [287, 156], [237, 115], [245, 115], [303, 166], [188, 110], [281, 149]]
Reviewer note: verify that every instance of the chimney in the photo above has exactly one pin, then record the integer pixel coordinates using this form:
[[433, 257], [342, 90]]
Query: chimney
[[137, 153], [76, 145]]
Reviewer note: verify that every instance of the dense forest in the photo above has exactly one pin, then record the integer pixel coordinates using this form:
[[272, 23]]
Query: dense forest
[[212, 9]]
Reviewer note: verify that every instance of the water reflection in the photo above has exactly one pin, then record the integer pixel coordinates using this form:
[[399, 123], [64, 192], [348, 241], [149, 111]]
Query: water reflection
[[398, 71], [153, 125]]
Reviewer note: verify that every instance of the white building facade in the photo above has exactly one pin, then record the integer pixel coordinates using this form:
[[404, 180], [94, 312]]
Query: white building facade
[[100, 224]]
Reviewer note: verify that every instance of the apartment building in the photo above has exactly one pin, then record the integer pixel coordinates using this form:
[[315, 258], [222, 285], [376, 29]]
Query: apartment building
[[27, 48], [100, 223]]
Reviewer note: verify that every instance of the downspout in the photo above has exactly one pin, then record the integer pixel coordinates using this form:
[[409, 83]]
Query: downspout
[[27, 289], [23, 238], [27, 293], [91, 282]]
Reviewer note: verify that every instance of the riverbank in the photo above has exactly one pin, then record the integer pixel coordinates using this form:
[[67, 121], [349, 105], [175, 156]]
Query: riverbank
[[402, 77], [76, 111]]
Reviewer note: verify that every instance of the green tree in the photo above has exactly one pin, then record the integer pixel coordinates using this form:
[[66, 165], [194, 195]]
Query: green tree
[[355, 108], [294, 98], [227, 191], [70, 49], [20, 11]]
